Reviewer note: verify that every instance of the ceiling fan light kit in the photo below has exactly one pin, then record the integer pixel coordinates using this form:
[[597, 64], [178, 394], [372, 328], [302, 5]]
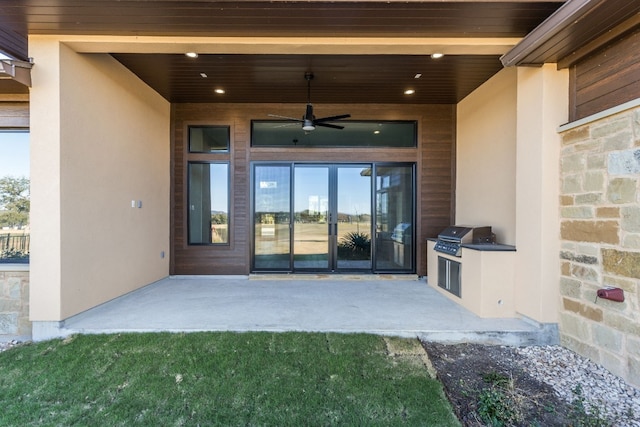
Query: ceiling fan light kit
[[309, 121]]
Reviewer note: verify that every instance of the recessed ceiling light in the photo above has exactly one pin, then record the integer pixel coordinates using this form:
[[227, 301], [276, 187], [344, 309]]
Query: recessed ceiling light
[[191, 54], [437, 55], [417, 76], [219, 91], [376, 132], [203, 75], [409, 92]]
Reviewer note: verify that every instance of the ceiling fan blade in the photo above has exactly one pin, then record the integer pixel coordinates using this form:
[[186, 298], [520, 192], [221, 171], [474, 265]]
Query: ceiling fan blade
[[284, 117], [333, 118], [286, 125], [309, 121], [327, 125]]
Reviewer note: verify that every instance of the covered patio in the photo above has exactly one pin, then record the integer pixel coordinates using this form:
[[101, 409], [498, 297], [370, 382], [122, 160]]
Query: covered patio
[[388, 305]]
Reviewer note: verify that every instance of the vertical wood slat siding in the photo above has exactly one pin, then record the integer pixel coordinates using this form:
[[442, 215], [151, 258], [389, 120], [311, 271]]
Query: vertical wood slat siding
[[434, 158], [605, 79]]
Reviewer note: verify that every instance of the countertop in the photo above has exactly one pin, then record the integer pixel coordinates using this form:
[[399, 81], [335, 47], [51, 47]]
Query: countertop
[[489, 247], [495, 247]]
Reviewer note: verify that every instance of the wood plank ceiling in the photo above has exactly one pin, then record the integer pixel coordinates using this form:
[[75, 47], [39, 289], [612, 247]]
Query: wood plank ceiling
[[280, 78]]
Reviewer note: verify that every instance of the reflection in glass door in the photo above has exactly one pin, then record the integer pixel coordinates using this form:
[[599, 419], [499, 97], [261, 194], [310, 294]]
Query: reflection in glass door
[[353, 215], [394, 218], [312, 224], [272, 218], [320, 218]]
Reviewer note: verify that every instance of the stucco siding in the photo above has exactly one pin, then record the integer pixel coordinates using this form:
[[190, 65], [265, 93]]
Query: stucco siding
[[112, 156], [486, 157]]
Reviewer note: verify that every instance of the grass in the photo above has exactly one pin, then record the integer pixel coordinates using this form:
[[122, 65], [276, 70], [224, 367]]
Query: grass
[[219, 379]]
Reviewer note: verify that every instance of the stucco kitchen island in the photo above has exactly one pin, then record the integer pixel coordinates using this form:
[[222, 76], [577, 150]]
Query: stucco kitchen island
[[483, 281]]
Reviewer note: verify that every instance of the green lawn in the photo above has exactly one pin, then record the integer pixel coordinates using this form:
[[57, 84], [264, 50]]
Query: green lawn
[[219, 379]]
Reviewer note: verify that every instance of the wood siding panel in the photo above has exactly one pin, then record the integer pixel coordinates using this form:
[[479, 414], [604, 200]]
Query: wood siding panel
[[14, 115], [607, 78], [433, 157]]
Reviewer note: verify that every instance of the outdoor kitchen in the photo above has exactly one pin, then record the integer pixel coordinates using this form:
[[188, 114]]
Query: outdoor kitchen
[[468, 266]]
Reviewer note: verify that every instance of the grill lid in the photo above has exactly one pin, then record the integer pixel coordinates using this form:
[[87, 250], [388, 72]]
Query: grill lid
[[451, 239], [456, 233]]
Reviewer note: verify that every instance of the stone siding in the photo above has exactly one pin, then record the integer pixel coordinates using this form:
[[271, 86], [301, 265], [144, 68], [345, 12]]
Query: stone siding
[[600, 232], [14, 303]]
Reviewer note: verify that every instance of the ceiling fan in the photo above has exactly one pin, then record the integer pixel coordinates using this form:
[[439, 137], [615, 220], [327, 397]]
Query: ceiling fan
[[309, 121]]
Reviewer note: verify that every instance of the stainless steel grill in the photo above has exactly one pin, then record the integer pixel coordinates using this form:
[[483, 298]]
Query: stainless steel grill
[[451, 239]]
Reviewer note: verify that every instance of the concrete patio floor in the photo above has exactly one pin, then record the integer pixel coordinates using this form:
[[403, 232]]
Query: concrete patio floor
[[388, 305]]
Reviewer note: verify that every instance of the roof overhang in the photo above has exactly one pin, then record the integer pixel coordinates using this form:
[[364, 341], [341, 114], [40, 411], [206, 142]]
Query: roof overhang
[[577, 28], [17, 70], [258, 49]]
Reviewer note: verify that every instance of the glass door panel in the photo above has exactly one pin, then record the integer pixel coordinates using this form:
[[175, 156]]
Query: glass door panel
[[311, 218], [340, 217], [272, 218], [353, 217], [394, 218]]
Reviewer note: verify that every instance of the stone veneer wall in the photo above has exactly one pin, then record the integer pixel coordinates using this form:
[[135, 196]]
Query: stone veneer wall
[[14, 303], [600, 232]]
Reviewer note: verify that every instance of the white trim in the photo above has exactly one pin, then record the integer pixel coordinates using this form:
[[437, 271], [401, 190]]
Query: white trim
[[601, 115]]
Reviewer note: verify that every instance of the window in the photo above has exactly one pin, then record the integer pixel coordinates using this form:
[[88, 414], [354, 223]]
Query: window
[[208, 184], [14, 197], [209, 139], [279, 133], [208, 203]]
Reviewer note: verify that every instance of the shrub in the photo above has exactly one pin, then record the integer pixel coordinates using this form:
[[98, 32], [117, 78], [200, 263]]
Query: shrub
[[355, 245]]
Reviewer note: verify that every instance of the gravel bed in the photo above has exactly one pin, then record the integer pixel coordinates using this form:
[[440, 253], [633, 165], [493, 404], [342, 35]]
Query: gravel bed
[[5, 345], [603, 393]]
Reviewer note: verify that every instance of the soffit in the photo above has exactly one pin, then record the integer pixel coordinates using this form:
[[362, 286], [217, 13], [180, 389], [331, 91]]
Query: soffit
[[448, 81], [10, 86], [578, 23], [337, 78]]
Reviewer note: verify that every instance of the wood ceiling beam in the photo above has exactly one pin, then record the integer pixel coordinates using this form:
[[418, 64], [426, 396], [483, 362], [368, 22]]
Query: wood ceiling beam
[[289, 45]]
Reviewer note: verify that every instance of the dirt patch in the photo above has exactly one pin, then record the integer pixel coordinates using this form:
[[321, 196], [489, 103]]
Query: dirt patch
[[481, 380]]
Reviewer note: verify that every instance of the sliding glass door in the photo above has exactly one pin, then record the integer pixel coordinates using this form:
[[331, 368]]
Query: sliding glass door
[[272, 218], [353, 217], [394, 218], [312, 225], [321, 217]]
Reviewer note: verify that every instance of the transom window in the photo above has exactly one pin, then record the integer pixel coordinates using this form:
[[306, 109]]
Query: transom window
[[281, 133], [209, 139]]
